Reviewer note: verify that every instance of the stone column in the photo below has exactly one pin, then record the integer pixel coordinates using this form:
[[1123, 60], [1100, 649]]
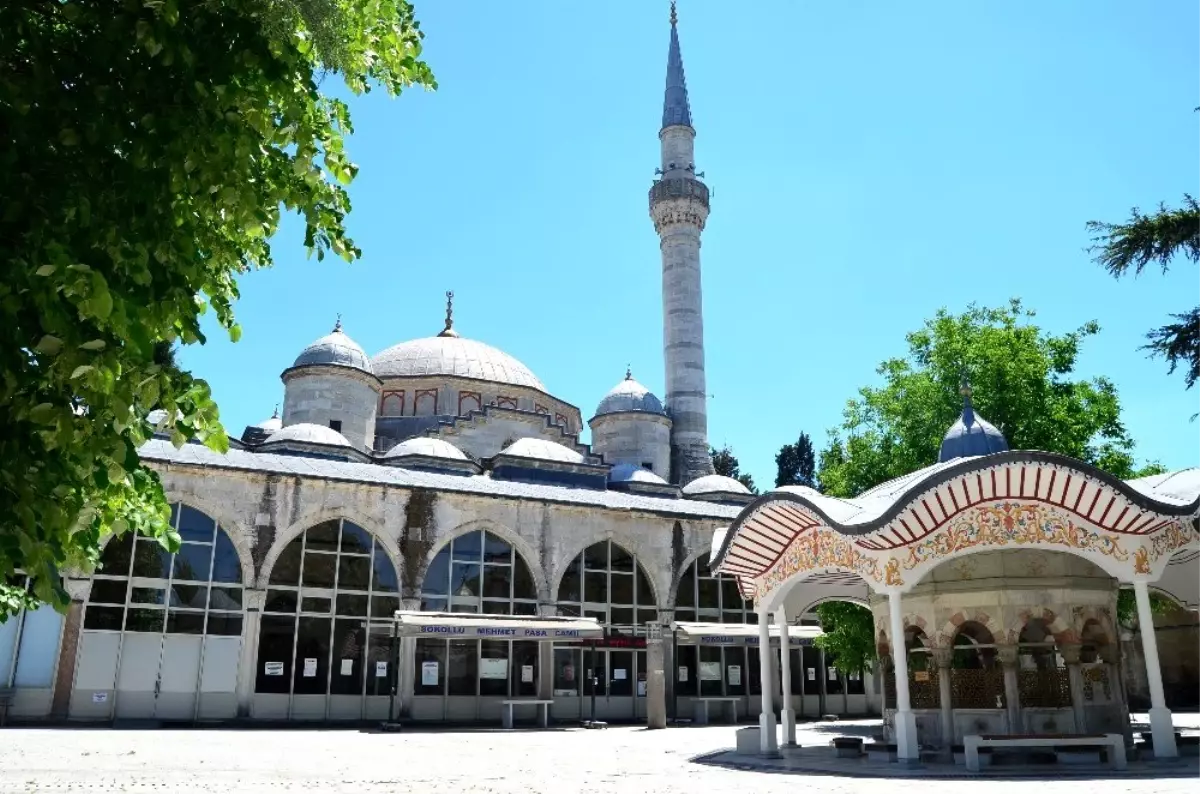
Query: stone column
[[822, 684], [1070, 653], [68, 647], [907, 747], [804, 650], [768, 742], [787, 714], [666, 617], [254, 600], [1012, 693], [406, 676], [1160, 716], [942, 658], [656, 686], [1110, 654]]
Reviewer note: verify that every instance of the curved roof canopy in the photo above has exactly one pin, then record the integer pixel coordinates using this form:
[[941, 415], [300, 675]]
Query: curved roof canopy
[[894, 533]]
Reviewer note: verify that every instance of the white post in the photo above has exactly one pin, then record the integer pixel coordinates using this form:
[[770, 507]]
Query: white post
[[787, 714], [1160, 716], [907, 748], [768, 742]]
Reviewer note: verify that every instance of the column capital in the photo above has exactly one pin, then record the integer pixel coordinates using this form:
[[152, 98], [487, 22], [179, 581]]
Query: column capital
[[254, 599], [1007, 654], [942, 657], [411, 604], [1070, 652], [78, 589]]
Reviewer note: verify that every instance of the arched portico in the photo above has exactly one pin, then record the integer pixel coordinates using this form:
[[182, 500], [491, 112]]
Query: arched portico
[[894, 535]]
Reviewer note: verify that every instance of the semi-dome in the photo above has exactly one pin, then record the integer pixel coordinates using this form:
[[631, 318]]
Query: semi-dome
[[305, 433], [334, 350], [627, 472], [425, 447], [971, 435], [453, 355], [714, 483], [542, 449], [629, 395]]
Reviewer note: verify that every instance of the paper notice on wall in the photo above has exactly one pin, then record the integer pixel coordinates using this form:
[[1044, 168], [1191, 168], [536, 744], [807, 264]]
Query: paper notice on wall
[[618, 674], [735, 675], [273, 668], [832, 673], [854, 676], [812, 674], [526, 674], [493, 668], [710, 671], [99, 697], [310, 668], [683, 674], [641, 689], [381, 669], [429, 673], [347, 667]]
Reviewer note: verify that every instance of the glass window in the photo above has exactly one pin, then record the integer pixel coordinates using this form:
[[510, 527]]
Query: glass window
[[493, 668], [319, 569], [380, 661], [349, 641], [226, 566], [117, 555], [437, 578], [181, 622], [463, 667], [685, 672], [227, 624], [624, 585], [322, 537], [275, 637], [566, 671], [430, 667], [193, 562], [150, 560], [287, 567], [312, 656], [194, 526], [523, 676], [109, 591], [384, 579], [354, 573], [468, 547], [355, 539]]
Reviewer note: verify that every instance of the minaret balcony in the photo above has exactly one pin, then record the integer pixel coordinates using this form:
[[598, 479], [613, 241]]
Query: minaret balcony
[[686, 188]]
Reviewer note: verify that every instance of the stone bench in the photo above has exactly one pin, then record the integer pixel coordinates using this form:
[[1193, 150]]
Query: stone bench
[[847, 746], [880, 751], [506, 715], [1060, 743], [701, 708]]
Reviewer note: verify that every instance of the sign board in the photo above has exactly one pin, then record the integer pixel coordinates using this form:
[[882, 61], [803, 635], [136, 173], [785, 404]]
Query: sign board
[[99, 697], [467, 632], [735, 675], [710, 671], [429, 673], [921, 675], [618, 674], [526, 674], [683, 674], [310, 668], [347, 667], [493, 668], [812, 674], [381, 669], [273, 668]]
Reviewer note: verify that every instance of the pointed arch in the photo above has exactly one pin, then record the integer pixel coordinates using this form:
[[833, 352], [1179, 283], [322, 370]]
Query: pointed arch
[[320, 515]]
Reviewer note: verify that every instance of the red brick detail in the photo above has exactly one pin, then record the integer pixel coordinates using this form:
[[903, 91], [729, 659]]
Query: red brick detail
[[422, 397], [469, 401], [506, 402], [392, 403]]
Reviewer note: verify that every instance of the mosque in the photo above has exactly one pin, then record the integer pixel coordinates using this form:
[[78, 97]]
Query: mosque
[[616, 580]]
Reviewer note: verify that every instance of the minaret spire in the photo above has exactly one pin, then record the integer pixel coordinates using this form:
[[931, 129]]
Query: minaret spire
[[676, 109]]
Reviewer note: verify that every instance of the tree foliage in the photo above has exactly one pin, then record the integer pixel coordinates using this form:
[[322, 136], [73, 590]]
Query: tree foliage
[[1127, 606], [1022, 382], [146, 153], [726, 464], [848, 635], [796, 464]]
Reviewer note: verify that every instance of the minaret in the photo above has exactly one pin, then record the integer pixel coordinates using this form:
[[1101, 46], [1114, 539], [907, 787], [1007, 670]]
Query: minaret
[[679, 208]]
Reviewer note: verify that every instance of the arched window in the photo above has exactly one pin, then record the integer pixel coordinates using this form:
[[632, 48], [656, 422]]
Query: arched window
[[29, 643], [141, 587], [331, 599], [976, 680], [715, 671], [1094, 649], [1042, 678], [478, 572]]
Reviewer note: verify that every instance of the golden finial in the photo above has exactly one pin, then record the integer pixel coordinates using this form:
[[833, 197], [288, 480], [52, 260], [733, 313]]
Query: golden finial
[[674, 18], [449, 329]]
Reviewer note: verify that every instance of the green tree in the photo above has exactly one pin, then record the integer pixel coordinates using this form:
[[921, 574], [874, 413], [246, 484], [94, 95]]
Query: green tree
[[1127, 606], [1022, 382], [146, 153], [796, 464], [848, 635], [726, 464]]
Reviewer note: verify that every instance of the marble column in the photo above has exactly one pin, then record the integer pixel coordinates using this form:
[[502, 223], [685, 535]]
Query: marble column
[[1012, 692], [942, 658], [907, 746], [787, 714], [666, 617], [406, 675], [1070, 652], [68, 647], [254, 601], [822, 682], [656, 686], [768, 742], [1161, 727]]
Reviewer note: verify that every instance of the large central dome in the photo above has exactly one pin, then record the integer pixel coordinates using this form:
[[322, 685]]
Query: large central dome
[[453, 355]]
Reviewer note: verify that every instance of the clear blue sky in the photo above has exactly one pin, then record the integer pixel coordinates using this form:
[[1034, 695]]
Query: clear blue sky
[[871, 163]]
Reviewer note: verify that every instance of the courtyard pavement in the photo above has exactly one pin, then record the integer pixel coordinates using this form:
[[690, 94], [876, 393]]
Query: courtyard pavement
[[628, 760]]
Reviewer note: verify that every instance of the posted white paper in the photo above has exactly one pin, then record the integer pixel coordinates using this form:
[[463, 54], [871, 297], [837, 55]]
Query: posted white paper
[[273, 668], [493, 668], [429, 673], [735, 675], [347, 667], [812, 674], [526, 674], [99, 697], [310, 668], [618, 674], [710, 671], [381, 669], [683, 674]]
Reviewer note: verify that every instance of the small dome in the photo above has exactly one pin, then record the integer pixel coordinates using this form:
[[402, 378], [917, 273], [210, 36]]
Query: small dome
[[627, 472], [306, 433], [971, 435], [272, 424], [427, 447], [629, 395], [714, 483], [541, 449], [335, 350]]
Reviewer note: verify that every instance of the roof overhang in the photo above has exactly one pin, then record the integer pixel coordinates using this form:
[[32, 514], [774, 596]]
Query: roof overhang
[[447, 625], [739, 633]]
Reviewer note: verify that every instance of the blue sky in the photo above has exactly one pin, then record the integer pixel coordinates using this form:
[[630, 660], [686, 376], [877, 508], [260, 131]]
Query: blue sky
[[871, 162]]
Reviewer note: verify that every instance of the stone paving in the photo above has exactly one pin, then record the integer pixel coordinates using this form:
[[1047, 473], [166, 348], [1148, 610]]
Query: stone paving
[[620, 759]]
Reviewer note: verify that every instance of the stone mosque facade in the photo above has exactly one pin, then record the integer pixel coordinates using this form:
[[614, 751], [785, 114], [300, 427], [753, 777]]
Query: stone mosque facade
[[440, 474]]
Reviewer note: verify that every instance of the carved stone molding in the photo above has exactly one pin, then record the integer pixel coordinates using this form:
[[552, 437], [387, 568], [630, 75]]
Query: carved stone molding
[[78, 589]]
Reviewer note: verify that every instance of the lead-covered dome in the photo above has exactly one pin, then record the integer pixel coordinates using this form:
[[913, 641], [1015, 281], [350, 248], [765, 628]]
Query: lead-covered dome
[[714, 484], [541, 449], [334, 350], [971, 435], [629, 395], [305, 433], [453, 355], [425, 447], [627, 472]]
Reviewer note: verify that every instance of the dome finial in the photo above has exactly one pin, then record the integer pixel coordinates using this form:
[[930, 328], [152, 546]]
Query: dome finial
[[449, 329], [628, 372], [964, 389], [275, 413], [674, 18], [337, 326]]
